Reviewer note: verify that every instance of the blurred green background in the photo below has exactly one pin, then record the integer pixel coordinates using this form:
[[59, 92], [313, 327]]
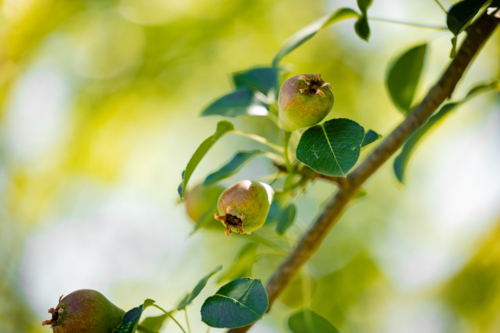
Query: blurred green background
[[99, 102]]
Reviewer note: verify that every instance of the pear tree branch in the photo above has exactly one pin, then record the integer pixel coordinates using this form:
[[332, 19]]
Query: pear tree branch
[[477, 35]]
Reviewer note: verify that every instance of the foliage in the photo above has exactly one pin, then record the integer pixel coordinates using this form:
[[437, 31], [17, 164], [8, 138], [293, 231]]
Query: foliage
[[238, 303], [298, 163], [329, 149], [308, 321]]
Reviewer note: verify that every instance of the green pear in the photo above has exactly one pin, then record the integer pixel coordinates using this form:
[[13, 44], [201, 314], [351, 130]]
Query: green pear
[[244, 206], [84, 311], [200, 200], [304, 101]]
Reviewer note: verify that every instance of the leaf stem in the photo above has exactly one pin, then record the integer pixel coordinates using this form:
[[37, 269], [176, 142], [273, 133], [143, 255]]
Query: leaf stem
[[441, 6], [259, 139], [411, 24], [274, 119], [171, 317], [286, 140], [274, 156], [187, 320], [268, 177]]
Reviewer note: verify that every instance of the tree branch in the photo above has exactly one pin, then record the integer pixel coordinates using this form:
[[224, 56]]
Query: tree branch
[[478, 33]]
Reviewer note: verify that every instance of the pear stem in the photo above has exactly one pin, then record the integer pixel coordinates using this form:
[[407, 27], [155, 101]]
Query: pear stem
[[187, 320], [286, 140], [259, 139]]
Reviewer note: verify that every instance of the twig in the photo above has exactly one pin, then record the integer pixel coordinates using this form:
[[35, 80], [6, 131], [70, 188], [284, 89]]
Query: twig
[[342, 182], [478, 33], [308, 173]]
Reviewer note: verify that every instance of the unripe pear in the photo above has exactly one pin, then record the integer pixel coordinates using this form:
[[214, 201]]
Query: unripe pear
[[84, 311], [304, 101], [200, 200], [243, 207]]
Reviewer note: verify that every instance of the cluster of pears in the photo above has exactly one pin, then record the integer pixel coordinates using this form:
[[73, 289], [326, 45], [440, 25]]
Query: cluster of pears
[[304, 101]]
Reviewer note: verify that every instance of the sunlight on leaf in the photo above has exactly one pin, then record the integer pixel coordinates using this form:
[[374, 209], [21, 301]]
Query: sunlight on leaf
[[237, 103]]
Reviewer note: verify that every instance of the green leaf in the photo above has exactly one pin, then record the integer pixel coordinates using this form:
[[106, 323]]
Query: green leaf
[[331, 148], [263, 79], [403, 76], [143, 329], [237, 103], [286, 219], [308, 321], [131, 318], [238, 303], [153, 324], [401, 162], [483, 87], [232, 167], [274, 212], [179, 188], [364, 5], [461, 13], [298, 291], [242, 263], [309, 31], [370, 137], [197, 290], [362, 28], [207, 218], [223, 127]]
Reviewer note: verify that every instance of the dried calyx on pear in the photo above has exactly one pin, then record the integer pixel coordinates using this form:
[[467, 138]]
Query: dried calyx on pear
[[244, 206], [84, 311], [304, 101]]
